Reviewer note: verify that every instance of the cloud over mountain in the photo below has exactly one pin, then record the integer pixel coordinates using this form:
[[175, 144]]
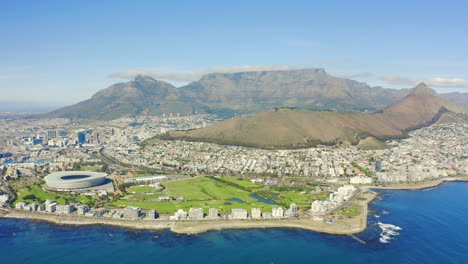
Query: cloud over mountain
[[197, 74], [434, 82]]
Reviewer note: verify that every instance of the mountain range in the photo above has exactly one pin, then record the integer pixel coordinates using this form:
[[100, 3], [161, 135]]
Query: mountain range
[[241, 93], [229, 94], [293, 128]]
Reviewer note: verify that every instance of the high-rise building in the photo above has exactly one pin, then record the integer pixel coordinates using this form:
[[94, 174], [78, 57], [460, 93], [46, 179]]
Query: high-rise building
[[238, 214], [213, 213], [195, 213], [51, 134], [82, 209], [81, 137], [151, 215], [132, 212], [277, 212], [256, 213], [292, 211], [378, 166]]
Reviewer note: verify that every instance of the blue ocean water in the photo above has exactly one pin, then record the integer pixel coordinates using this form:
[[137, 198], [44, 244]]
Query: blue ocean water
[[427, 226]]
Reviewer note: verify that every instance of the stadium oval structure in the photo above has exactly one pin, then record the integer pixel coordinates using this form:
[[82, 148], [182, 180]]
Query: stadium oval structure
[[68, 180]]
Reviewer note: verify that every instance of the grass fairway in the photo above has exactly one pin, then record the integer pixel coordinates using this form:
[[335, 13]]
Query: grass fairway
[[242, 182], [201, 192], [302, 200], [141, 189], [190, 189], [204, 188], [224, 194], [90, 168], [35, 193]]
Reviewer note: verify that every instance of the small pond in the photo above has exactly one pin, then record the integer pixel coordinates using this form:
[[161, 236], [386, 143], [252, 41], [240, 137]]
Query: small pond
[[261, 199]]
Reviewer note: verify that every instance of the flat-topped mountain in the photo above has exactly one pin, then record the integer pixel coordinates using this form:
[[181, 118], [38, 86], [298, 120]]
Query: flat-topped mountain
[[306, 88], [290, 128], [242, 92], [233, 93]]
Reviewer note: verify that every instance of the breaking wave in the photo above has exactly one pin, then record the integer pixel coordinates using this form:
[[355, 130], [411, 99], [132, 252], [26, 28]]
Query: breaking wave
[[388, 232]]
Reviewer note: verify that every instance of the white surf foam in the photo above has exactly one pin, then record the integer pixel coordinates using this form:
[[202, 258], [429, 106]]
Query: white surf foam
[[388, 232]]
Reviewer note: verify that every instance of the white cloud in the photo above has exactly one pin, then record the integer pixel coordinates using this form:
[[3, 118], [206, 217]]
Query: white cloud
[[357, 75], [397, 80], [447, 82], [197, 74], [432, 82]]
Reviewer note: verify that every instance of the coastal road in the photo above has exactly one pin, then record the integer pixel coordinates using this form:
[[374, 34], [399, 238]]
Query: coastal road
[[343, 205]]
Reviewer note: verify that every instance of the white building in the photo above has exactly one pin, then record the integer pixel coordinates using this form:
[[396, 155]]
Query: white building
[[195, 213], [82, 209], [64, 208], [179, 215], [213, 213], [292, 211], [256, 213], [151, 215], [360, 180], [50, 207], [238, 214], [131, 212], [20, 205], [4, 198], [321, 207], [277, 212], [41, 208]]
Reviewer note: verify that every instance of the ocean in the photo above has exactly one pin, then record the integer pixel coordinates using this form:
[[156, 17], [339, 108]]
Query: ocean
[[424, 226]]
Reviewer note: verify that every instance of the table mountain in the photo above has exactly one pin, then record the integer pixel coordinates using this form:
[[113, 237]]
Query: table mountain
[[305, 88], [233, 93]]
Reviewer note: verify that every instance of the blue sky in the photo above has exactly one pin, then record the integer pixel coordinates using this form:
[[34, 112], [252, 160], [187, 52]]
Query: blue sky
[[65, 51]]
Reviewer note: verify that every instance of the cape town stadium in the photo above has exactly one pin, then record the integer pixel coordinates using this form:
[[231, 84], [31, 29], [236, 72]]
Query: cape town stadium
[[69, 180]]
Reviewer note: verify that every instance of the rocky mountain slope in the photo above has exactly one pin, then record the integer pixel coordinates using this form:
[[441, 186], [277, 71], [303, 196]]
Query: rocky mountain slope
[[144, 95], [233, 93], [290, 128], [306, 89], [456, 97], [243, 92]]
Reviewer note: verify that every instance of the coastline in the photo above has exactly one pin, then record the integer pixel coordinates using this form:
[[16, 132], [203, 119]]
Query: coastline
[[341, 226], [420, 185]]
